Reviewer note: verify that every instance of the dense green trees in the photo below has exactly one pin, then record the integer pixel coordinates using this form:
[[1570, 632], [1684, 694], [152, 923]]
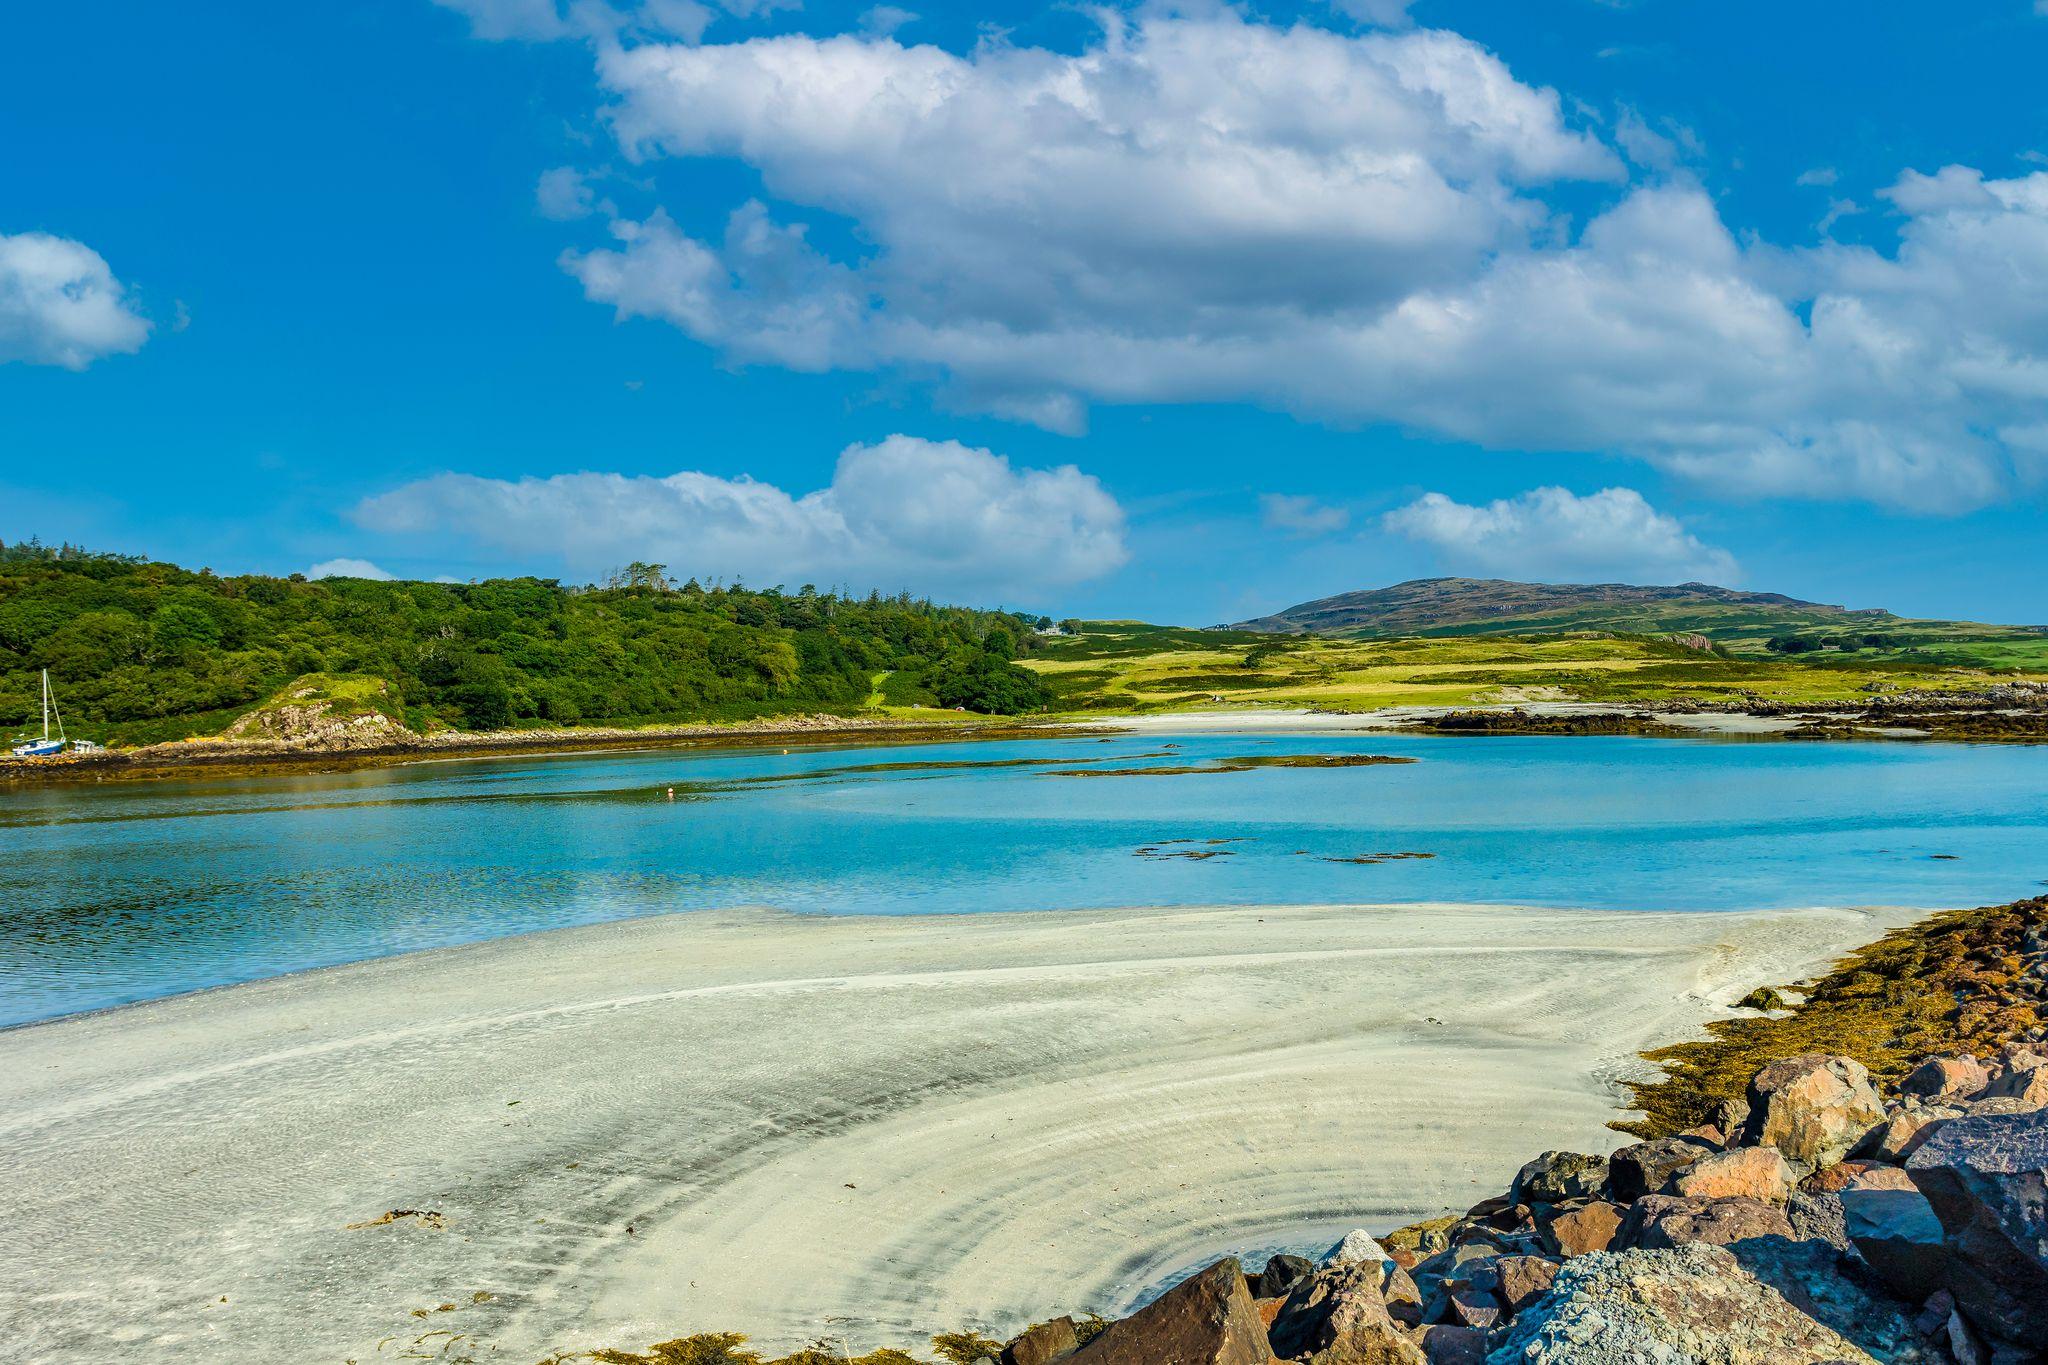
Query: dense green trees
[[141, 650]]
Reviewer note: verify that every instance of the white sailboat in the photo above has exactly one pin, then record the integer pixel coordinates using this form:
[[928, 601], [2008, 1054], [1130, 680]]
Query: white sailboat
[[44, 747]]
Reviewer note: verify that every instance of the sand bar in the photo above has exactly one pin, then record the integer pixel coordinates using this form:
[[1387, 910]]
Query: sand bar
[[860, 1128], [1251, 720]]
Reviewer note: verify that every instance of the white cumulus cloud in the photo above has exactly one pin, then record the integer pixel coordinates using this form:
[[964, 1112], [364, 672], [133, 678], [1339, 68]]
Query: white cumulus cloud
[[933, 516], [1555, 534], [563, 193], [1300, 515], [1391, 13], [1350, 226], [348, 568], [502, 19], [61, 305]]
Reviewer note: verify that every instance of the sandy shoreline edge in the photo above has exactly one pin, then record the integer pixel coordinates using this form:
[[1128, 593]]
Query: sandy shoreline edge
[[795, 1126]]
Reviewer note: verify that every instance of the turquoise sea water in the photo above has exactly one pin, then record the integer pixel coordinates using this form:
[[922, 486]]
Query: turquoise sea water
[[121, 892]]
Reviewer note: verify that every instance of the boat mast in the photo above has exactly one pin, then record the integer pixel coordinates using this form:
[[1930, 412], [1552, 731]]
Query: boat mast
[[49, 705]]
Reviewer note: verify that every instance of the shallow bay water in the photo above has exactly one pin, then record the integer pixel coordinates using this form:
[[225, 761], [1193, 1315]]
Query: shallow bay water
[[118, 892]]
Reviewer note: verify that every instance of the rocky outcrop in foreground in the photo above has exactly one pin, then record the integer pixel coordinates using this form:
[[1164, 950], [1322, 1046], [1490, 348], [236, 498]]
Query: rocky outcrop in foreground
[[1816, 1220]]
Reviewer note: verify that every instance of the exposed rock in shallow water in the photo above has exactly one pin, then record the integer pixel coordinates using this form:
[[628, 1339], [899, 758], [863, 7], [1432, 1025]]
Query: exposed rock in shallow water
[[1240, 764]]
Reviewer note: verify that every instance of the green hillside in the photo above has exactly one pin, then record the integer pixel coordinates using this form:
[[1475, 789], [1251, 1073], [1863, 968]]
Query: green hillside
[[1743, 623], [141, 651], [1112, 667]]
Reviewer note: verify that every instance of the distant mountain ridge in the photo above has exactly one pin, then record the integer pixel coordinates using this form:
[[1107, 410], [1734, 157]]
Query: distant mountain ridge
[[1493, 606]]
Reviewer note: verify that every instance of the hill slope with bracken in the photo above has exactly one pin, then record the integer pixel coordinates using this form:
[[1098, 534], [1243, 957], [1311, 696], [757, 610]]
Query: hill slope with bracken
[[1726, 616]]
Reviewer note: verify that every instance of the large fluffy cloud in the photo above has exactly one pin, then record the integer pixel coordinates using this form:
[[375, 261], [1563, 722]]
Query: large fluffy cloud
[[61, 305], [934, 516], [1204, 207], [1553, 533]]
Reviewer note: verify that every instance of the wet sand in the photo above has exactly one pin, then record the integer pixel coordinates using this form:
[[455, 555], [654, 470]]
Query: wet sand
[[867, 1129]]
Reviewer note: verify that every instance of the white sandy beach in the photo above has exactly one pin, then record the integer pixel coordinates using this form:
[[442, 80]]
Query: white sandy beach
[[868, 1129]]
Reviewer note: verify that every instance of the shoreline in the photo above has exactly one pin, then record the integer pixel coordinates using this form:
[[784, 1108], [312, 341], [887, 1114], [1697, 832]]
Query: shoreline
[[219, 758], [1820, 720], [1039, 1109]]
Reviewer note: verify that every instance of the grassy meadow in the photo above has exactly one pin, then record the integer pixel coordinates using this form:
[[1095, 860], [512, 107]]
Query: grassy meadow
[[1124, 666]]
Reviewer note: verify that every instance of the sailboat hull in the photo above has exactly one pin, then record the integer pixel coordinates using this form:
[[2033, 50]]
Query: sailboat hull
[[40, 748]]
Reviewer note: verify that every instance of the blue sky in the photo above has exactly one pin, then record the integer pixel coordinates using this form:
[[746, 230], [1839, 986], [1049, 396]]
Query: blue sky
[[1177, 312]]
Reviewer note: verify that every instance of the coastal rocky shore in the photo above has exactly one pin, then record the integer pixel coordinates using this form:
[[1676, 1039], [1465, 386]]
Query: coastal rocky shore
[[1822, 1214], [288, 740], [1817, 1220], [2010, 712]]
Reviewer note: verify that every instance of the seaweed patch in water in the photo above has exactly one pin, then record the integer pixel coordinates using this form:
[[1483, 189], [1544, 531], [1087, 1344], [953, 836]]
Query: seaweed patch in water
[[1370, 859], [1239, 764], [925, 766], [426, 1218]]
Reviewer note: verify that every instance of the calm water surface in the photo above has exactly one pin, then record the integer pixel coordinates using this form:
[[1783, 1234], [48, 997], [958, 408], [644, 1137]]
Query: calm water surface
[[123, 892]]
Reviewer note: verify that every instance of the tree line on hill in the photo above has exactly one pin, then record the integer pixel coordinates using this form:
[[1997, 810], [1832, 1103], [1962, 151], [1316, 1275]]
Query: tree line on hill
[[144, 650]]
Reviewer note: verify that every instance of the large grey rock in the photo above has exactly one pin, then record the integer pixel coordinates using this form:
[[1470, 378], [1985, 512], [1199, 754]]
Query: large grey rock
[[1358, 1245], [1897, 1233], [1662, 1221], [1445, 1344], [1578, 1231], [1818, 1218], [1898, 1136], [1946, 1078], [1648, 1167], [1281, 1274], [1207, 1319], [1525, 1279], [1987, 1178], [1745, 1172], [1338, 1316], [2027, 1084], [1814, 1108], [1047, 1342], [1840, 1292], [1694, 1305], [1556, 1176]]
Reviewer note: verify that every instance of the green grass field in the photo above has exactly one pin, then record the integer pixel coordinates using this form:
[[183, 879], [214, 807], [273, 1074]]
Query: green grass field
[[1121, 666]]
